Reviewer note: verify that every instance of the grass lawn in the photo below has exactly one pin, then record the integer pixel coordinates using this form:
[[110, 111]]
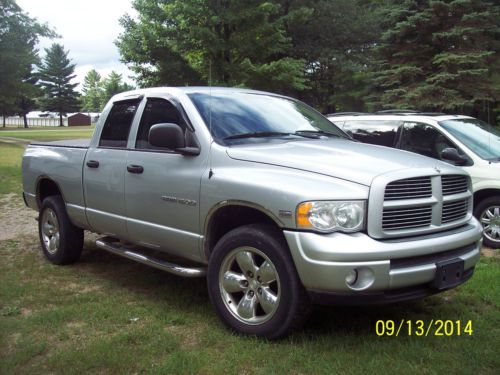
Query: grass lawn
[[48, 133], [10, 168], [106, 314]]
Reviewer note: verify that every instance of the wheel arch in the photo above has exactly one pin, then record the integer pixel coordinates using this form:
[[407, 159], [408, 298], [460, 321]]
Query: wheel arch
[[482, 194], [230, 214], [45, 187]]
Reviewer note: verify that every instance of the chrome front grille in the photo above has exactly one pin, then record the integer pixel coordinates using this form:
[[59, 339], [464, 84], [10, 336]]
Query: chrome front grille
[[408, 188], [454, 184], [393, 219], [455, 210], [414, 205]]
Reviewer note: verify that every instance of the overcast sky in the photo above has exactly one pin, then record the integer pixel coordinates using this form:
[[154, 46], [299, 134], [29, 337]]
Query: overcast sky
[[88, 29]]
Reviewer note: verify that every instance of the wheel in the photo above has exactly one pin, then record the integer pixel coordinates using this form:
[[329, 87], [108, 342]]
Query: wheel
[[253, 283], [488, 213], [61, 241]]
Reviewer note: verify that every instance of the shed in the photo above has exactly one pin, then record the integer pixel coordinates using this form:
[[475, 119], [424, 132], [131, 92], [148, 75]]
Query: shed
[[78, 119]]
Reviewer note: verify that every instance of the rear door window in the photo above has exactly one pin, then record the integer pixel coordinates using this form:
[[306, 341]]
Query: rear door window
[[117, 126], [376, 132]]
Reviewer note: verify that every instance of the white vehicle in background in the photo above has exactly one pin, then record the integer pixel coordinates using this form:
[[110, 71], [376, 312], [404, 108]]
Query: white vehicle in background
[[460, 140]]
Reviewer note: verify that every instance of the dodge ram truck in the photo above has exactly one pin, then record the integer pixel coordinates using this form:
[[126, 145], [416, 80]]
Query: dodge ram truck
[[276, 206]]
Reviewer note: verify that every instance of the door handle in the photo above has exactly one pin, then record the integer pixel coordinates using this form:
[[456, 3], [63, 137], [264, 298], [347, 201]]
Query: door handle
[[135, 169], [93, 164]]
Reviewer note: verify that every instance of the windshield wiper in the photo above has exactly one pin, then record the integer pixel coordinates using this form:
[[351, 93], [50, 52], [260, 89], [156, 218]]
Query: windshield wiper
[[316, 132], [254, 135]]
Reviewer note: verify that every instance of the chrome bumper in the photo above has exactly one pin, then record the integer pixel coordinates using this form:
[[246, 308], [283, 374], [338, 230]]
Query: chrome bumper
[[324, 262]]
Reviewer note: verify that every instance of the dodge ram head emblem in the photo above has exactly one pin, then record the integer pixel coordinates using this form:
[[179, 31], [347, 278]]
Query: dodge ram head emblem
[[437, 169]]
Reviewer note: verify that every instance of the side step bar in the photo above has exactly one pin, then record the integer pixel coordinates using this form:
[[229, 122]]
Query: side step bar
[[115, 247]]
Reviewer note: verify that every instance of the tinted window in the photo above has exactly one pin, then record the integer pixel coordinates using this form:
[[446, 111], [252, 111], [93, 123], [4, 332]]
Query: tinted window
[[157, 111], [118, 123], [425, 140], [376, 132]]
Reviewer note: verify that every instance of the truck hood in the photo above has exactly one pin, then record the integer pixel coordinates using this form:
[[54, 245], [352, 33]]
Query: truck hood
[[344, 159]]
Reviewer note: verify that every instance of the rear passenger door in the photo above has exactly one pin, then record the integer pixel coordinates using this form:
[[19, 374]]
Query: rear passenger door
[[104, 172], [162, 192]]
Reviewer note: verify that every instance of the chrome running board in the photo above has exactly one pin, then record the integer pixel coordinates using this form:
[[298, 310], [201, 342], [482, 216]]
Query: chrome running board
[[116, 247]]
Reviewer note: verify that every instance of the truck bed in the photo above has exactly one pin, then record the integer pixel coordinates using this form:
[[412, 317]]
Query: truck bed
[[72, 143]]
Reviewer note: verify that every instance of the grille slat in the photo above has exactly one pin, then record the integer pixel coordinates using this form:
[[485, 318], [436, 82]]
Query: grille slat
[[409, 188], [394, 219], [455, 210], [454, 184]]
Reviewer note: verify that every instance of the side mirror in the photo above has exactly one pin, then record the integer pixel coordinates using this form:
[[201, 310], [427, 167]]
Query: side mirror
[[453, 155], [170, 136], [166, 135]]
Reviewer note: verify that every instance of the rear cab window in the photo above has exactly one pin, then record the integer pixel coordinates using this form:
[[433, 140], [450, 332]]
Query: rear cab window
[[118, 123]]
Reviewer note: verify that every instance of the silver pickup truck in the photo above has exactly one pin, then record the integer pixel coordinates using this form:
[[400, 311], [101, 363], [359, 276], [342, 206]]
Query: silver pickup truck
[[261, 194]]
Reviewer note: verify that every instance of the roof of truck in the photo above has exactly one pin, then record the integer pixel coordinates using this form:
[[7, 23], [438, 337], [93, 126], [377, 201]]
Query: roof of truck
[[186, 90]]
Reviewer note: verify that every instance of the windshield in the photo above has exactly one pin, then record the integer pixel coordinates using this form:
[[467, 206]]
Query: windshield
[[238, 117], [480, 137]]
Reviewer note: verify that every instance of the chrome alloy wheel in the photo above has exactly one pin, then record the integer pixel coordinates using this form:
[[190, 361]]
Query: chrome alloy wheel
[[490, 220], [50, 231], [249, 285]]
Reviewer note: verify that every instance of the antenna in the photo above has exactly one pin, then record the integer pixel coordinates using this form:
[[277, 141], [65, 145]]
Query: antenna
[[210, 172]]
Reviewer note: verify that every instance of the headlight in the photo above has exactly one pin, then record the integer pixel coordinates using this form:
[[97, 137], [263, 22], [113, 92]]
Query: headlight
[[330, 216]]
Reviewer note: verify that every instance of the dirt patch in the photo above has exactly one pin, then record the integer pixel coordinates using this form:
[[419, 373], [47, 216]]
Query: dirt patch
[[16, 218], [490, 253]]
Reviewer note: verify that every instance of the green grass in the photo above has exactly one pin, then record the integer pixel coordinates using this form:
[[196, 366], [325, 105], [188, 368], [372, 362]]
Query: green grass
[[83, 319], [48, 133], [10, 168]]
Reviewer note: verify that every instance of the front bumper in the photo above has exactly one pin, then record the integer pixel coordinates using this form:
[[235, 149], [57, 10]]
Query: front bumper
[[383, 267]]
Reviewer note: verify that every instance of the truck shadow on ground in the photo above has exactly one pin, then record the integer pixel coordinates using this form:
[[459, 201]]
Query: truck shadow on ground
[[190, 297]]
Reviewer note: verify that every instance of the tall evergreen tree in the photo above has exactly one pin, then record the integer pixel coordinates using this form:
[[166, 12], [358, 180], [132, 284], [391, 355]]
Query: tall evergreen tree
[[113, 84], [93, 92], [56, 73], [440, 55], [19, 35], [231, 42]]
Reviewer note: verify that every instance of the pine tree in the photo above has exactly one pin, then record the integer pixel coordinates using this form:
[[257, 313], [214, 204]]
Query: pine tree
[[440, 55], [113, 84], [19, 35], [229, 42], [93, 92], [56, 73]]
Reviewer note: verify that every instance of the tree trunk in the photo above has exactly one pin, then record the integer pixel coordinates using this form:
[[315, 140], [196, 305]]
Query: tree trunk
[[25, 121], [4, 121], [60, 119]]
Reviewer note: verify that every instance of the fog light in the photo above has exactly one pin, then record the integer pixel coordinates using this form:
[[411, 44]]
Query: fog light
[[351, 277]]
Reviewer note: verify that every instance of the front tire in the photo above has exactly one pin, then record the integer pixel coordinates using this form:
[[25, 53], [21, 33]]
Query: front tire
[[61, 241], [488, 213], [253, 283]]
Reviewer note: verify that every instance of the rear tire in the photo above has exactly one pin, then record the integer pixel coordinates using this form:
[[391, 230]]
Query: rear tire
[[61, 241], [253, 283], [488, 214]]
